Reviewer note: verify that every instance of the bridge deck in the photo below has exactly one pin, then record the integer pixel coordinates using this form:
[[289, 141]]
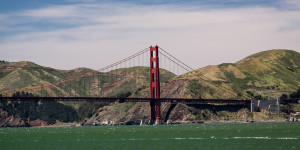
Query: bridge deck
[[128, 99], [123, 99]]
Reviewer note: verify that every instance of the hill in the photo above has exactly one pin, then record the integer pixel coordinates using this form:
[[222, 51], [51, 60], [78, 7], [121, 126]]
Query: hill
[[24, 75], [265, 75]]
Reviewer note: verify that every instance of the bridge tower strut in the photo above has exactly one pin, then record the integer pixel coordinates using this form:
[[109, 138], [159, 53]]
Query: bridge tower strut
[[154, 86]]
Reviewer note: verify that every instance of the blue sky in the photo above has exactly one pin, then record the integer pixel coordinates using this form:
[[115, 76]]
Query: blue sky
[[67, 34]]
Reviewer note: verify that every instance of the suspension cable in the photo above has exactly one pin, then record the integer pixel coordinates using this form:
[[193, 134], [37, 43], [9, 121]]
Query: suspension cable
[[187, 68], [191, 69], [81, 76]]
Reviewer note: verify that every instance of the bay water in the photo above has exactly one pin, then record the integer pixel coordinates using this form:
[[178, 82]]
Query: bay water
[[231, 136]]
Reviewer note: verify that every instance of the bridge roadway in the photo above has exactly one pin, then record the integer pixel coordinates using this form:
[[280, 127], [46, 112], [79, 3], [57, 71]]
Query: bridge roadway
[[129, 99]]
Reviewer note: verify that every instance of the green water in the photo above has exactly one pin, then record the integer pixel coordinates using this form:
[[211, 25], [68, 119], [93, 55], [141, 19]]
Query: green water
[[203, 136]]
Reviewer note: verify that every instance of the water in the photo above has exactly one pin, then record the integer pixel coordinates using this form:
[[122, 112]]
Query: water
[[202, 136]]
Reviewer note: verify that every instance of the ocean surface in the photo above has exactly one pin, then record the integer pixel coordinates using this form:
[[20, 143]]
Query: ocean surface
[[231, 136]]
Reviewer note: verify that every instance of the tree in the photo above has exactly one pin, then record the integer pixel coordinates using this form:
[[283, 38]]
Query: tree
[[3, 62], [46, 111], [292, 95], [284, 96], [295, 94], [257, 97], [17, 94], [288, 108]]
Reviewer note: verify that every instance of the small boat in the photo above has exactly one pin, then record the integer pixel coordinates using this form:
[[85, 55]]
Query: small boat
[[105, 122], [141, 122], [95, 123]]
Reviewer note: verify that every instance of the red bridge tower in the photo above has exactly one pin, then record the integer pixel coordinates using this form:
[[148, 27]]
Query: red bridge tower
[[154, 86]]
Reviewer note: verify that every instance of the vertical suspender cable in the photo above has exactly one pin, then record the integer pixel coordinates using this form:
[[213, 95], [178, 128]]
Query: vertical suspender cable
[[98, 80]]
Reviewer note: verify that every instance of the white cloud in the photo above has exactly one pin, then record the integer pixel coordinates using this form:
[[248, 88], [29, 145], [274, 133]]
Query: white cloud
[[104, 33]]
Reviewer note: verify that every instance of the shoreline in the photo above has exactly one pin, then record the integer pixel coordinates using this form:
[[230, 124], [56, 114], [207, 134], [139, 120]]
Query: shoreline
[[182, 123]]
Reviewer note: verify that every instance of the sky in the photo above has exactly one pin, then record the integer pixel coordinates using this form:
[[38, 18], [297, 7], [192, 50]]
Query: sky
[[67, 34]]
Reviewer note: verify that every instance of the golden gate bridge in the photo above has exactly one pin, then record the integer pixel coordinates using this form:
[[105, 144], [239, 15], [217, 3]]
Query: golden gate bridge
[[154, 60]]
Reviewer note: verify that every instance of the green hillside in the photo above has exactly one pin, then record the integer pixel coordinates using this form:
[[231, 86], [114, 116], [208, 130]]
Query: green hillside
[[123, 82], [24, 75], [266, 75]]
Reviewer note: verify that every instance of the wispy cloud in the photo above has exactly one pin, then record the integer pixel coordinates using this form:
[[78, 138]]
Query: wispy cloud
[[91, 34]]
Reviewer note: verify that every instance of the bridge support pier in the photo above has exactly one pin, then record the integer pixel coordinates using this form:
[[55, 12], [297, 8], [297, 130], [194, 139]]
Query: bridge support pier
[[154, 86], [152, 112], [158, 118]]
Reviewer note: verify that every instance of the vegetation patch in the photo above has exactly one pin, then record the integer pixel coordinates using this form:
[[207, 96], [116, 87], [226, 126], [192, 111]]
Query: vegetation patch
[[48, 111], [195, 88]]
